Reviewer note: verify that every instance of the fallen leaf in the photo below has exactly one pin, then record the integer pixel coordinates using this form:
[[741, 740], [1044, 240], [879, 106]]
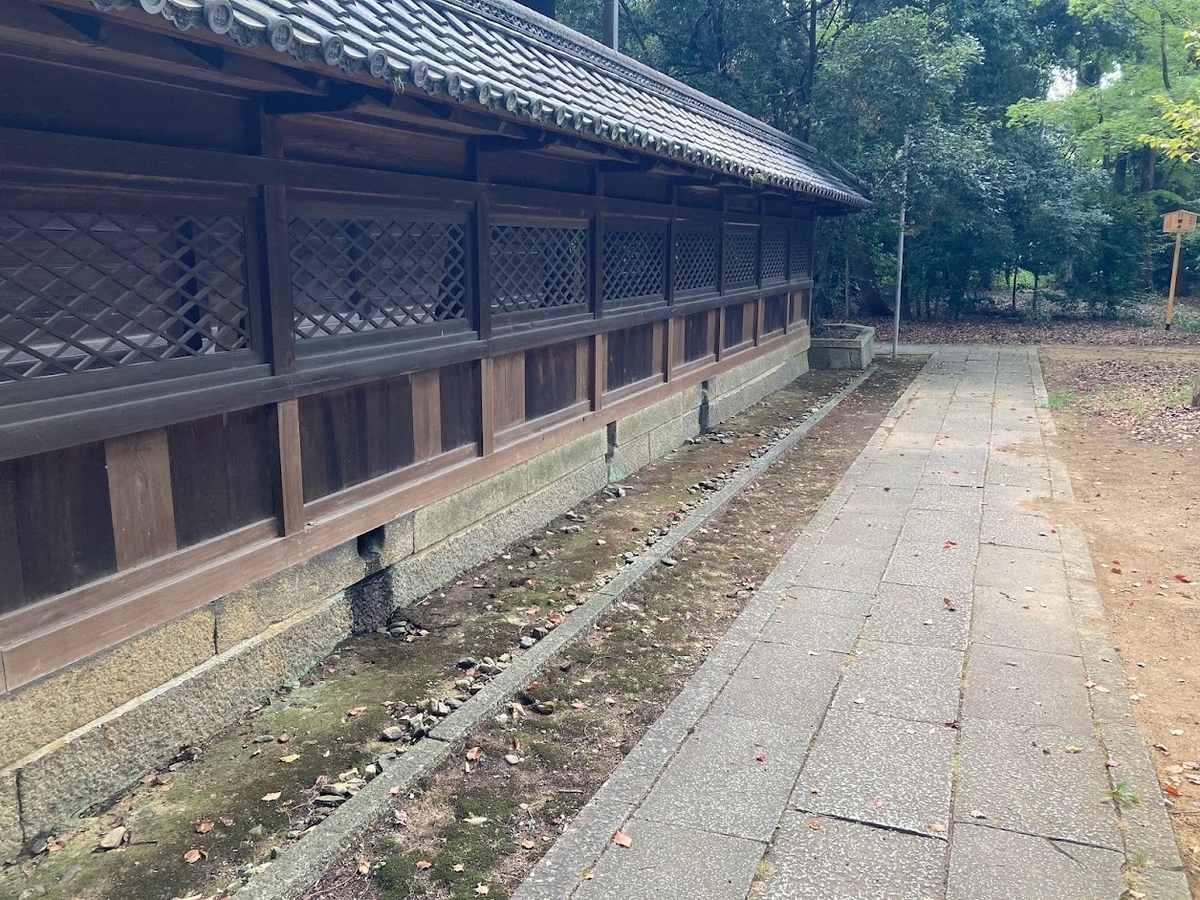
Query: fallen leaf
[[1089, 684], [1116, 570], [228, 823], [1070, 749], [357, 711], [394, 790], [53, 845], [516, 743], [977, 814], [949, 545], [459, 867], [760, 758], [290, 758], [423, 864], [621, 839], [588, 874], [364, 866], [273, 796], [476, 820], [527, 844], [1183, 578], [204, 827], [475, 753], [193, 856], [1171, 789], [814, 824], [512, 759], [481, 888], [937, 826]]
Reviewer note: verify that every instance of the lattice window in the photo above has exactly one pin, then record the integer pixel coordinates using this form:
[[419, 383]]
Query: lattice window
[[696, 261], [88, 291], [356, 275], [801, 255], [538, 267], [774, 253], [634, 265], [741, 256]]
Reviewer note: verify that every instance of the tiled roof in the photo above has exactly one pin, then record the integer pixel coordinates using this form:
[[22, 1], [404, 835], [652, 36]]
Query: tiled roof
[[505, 56]]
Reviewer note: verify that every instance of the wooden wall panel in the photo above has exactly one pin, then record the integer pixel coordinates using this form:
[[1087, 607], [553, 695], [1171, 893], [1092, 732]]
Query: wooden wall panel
[[733, 330], [658, 348], [250, 466], [139, 489], [550, 379], [427, 414], [290, 479], [198, 479], [12, 580], [313, 458], [62, 509], [508, 386], [630, 355], [583, 369], [223, 473], [459, 389]]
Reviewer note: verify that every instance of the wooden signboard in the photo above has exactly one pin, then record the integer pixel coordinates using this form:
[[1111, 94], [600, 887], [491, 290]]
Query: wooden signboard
[[1178, 222]]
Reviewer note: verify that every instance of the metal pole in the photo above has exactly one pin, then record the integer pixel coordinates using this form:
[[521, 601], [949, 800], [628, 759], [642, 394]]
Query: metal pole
[[900, 248], [1174, 275], [610, 24]]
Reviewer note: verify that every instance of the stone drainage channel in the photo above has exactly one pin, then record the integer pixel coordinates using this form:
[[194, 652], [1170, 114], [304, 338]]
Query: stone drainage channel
[[302, 863]]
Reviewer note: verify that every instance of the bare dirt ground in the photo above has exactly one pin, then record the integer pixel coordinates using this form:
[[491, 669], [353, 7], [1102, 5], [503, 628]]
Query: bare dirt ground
[[1131, 442]]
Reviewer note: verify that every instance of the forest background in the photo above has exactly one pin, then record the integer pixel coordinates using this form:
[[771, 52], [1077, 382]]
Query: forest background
[[1048, 137]]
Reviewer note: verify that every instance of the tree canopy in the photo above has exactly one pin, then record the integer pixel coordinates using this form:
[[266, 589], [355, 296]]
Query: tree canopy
[[1047, 136]]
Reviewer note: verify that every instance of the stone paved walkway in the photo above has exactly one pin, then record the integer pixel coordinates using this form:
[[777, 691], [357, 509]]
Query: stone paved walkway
[[921, 702]]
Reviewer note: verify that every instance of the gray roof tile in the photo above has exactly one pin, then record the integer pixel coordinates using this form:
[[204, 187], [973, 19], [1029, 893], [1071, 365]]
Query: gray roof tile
[[508, 57]]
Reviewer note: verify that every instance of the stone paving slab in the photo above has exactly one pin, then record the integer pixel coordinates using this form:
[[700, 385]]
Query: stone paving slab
[[910, 614], [1025, 619], [918, 684], [870, 741], [850, 861], [672, 861], [1026, 687], [879, 770], [1024, 778], [733, 776], [780, 681], [990, 864]]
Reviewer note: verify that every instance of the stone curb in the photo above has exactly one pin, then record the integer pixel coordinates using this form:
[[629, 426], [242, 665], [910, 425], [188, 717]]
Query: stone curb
[[305, 861], [1148, 834]]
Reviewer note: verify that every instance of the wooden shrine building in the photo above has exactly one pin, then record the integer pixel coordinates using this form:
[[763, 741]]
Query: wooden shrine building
[[307, 305]]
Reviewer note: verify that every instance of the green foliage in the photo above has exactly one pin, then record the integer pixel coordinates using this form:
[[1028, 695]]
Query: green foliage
[[1000, 179]]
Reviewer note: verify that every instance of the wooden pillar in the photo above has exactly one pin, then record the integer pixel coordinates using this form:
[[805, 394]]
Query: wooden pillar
[[487, 406], [276, 264], [599, 369]]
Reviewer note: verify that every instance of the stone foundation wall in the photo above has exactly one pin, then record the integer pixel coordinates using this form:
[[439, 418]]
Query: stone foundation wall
[[85, 733]]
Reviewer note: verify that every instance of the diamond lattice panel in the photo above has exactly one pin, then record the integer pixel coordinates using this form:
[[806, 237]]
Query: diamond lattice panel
[[774, 254], [696, 261], [86, 291], [741, 256], [536, 267], [355, 275], [801, 254], [634, 265]]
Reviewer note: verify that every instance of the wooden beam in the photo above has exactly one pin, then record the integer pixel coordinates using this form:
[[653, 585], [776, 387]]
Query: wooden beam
[[290, 497]]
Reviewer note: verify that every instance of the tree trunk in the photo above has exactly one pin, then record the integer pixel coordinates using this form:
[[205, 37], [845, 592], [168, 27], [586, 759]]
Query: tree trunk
[[1196, 393], [846, 283], [1120, 168], [1147, 181], [1035, 285]]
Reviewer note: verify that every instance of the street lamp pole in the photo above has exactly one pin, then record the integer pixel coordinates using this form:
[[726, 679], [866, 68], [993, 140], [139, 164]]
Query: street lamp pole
[[900, 247]]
